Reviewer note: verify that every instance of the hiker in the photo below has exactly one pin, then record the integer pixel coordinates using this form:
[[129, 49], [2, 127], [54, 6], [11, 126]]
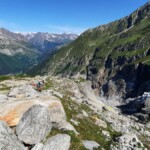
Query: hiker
[[39, 86]]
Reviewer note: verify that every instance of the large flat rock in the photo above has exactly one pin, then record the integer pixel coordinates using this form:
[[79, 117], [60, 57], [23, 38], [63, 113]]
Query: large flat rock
[[34, 125], [12, 109], [8, 140]]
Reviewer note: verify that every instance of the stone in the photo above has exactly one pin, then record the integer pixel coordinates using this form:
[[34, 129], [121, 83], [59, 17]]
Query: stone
[[90, 145], [38, 146], [8, 140], [75, 122], [34, 125], [68, 127], [148, 125], [147, 105], [3, 97], [58, 142], [106, 133], [85, 113], [101, 123], [58, 115]]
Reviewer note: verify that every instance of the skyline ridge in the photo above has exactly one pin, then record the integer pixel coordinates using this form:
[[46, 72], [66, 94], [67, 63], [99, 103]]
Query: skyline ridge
[[62, 16]]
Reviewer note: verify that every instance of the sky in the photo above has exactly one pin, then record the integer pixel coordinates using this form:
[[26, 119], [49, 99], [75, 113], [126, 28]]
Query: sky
[[62, 16]]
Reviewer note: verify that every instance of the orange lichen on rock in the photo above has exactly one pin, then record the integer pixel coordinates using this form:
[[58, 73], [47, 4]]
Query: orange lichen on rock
[[11, 118]]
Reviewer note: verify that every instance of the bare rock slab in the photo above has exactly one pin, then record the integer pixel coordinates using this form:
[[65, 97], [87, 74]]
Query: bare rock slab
[[8, 140], [34, 125], [57, 142], [39, 146]]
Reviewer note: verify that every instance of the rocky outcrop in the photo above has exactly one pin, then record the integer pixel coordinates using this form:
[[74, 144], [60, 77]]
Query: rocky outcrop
[[140, 107], [57, 142], [8, 140], [90, 145], [128, 141], [34, 125]]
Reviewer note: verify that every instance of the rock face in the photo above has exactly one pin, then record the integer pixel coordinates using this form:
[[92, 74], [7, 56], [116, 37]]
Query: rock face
[[8, 140], [90, 145], [140, 107], [147, 105], [58, 142], [34, 125]]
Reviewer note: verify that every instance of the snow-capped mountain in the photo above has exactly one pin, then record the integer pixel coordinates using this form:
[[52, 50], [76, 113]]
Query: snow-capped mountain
[[47, 42]]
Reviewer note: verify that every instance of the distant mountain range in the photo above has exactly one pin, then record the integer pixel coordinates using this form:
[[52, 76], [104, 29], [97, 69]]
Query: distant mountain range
[[19, 52], [48, 42]]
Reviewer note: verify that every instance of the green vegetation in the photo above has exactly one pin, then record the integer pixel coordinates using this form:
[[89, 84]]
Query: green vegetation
[[2, 78], [21, 76], [49, 84], [4, 87], [87, 128], [20, 62], [117, 39]]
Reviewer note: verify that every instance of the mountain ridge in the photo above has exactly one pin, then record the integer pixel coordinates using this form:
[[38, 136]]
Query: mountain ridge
[[105, 53]]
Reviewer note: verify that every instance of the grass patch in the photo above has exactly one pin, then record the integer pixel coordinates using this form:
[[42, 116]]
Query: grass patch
[[48, 84], [21, 76], [5, 88], [3, 78]]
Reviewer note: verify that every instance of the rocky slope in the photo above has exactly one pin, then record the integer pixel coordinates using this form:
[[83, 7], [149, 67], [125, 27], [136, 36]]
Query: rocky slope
[[115, 57], [65, 115]]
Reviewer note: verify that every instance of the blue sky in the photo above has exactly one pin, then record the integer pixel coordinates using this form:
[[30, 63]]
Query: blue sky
[[59, 16]]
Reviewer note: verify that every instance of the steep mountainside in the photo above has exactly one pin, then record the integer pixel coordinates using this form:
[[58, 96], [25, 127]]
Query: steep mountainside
[[115, 57]]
